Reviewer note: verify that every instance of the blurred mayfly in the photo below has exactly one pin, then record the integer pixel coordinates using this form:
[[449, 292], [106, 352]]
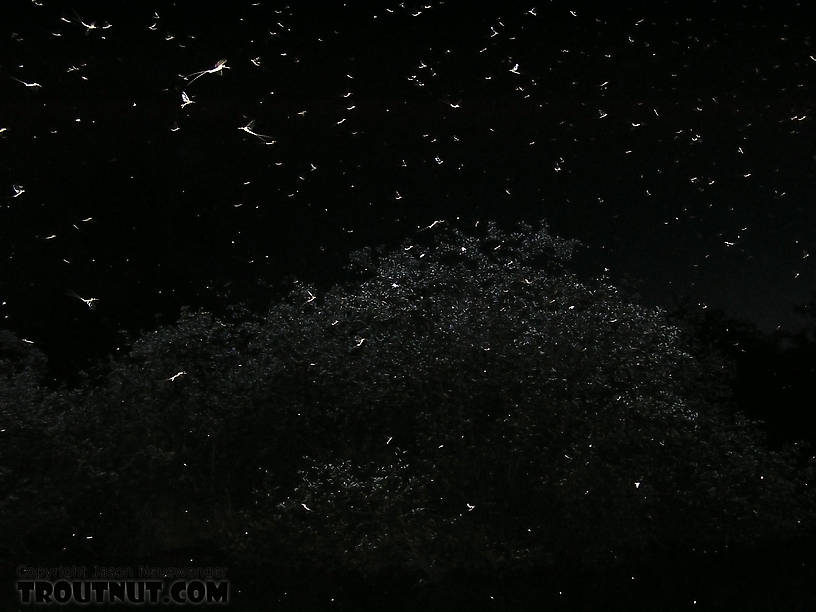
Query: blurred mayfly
[[220, 66], [89, 302]]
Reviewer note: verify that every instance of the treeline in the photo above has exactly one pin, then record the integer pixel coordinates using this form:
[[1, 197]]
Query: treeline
[[462, 414]]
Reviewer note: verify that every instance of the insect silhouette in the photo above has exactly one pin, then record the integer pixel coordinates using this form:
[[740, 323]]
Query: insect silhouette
[[89, 302], [32, 85], [219, 67]]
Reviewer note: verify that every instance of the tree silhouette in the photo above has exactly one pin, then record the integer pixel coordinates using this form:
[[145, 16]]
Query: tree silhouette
[[463, 403]]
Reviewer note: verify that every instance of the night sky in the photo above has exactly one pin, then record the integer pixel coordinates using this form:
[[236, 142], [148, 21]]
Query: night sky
[[172, 154]]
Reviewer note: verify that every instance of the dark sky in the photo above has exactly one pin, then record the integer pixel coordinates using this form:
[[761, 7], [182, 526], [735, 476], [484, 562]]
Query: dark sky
[[678, 146]]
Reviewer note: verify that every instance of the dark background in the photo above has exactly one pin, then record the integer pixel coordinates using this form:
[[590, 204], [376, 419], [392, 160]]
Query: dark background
[[678, 145]]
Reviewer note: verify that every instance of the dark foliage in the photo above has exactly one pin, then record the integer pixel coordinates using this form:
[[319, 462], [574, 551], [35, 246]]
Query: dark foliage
[[465, 406], [769, 376]]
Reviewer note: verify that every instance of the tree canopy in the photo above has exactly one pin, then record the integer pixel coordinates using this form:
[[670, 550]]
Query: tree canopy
[[462, 402]]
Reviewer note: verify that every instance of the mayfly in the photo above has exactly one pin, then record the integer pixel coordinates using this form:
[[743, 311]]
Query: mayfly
[[220, 66], [89, 302], [185, 99], [248, 128], [33, 85]]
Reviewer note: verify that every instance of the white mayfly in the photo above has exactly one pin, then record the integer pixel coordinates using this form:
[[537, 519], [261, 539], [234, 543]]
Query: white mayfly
[[220, 66], [89, 302]]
